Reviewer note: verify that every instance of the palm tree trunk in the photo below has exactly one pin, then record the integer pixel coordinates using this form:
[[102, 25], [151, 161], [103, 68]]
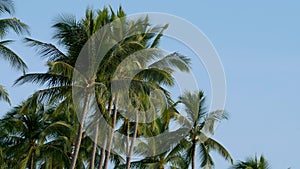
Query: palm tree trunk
[[32, 161], [127, 136], [80, 131], [193, 153], [112, 133], [128, 158], [95, 146], [103, 150], [102, 155], [161, 163]]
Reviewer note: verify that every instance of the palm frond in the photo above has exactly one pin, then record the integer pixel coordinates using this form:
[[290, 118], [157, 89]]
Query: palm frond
[[48, 79], [193, 102], [25, 162], [156, 41], [12, 23], [70, 32], [14, 60], [252, 163], [212, 118], [215, 146], [45, 49], [54, 94], [206, 160], [174, 61], [263, 163], [4, 95], [7, 6], [156, 75], [178, 162]]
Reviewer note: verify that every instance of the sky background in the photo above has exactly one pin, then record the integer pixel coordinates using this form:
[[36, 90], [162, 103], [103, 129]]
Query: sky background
[[258, 43]]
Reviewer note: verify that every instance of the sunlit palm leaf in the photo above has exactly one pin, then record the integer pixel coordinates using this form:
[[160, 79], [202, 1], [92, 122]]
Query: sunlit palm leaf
[[213, 145], [12, 23]]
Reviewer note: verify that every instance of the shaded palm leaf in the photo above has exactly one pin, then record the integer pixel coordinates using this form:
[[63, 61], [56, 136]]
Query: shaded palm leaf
[[45, 49], [7, 6], [14, 60], [4, 95]]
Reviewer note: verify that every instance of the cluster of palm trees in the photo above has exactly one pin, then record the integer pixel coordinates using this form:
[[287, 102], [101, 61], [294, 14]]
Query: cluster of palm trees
[[53, 127]]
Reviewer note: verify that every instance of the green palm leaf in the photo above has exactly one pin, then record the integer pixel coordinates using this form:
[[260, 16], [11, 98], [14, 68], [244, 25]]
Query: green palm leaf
[[14, 60], [7, 6], [4, 95], [12, 23], [252, 163], [45, 49], [211, 144]]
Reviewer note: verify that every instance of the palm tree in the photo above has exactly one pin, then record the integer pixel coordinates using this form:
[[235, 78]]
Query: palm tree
[[29, 135], [202, 124], [6, 24], [252, 163], [59, 137]]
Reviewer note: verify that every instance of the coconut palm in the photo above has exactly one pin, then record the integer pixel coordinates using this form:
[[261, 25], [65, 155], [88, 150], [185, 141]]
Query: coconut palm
[[252, 163], [57, 147], [202, 124], [29, 136], [7, 24]]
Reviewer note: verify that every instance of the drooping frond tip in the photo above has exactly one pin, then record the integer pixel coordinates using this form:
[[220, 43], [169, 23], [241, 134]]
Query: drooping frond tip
[[7, 6], [9, 55], [4, 95]]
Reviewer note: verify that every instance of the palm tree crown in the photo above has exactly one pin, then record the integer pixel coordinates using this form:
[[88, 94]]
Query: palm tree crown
[[252, 163]]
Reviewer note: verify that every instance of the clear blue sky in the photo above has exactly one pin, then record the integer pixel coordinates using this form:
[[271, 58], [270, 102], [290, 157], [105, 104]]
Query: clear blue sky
[[258, 43]]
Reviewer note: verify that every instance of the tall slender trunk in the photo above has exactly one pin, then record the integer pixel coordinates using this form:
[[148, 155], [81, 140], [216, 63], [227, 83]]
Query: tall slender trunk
[[127, 137], [104, 148], [102, 155], [32, 161], [94, 152], [193, 153], [111, 136], [79, 132], [129, 155]]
